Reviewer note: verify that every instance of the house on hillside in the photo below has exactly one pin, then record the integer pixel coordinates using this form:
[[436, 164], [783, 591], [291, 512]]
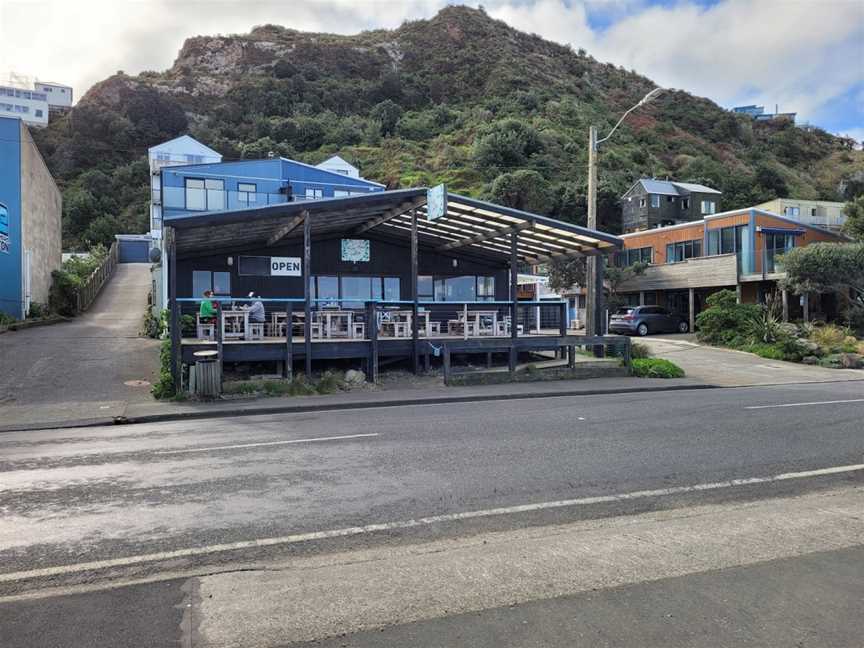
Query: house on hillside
[[651, 203], [337, 164], [739, 250], [758, 113], [30, 221], [821, 213]]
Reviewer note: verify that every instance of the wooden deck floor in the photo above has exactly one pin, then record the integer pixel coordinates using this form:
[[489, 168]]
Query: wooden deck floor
[[381, 340]]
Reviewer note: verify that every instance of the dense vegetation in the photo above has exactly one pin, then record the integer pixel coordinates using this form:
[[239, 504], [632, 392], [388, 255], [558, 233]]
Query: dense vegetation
[[758, 328], [460, 98]]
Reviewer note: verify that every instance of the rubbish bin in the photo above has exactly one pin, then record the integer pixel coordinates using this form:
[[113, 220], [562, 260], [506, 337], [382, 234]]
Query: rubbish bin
[[206, 379]]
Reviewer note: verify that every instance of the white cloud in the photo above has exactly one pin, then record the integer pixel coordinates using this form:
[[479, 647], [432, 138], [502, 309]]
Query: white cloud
[[801, 54]]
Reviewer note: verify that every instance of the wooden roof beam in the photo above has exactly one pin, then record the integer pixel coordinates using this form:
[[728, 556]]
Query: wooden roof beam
[[392, 213], [486, 236], [559, 256], [286, 229]]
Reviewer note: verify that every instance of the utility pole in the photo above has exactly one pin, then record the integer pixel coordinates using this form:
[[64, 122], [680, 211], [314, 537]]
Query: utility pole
[[595, 264], [594, 269]]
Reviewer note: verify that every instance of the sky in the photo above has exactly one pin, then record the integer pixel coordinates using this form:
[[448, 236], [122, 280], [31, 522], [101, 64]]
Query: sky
[[805, 55]]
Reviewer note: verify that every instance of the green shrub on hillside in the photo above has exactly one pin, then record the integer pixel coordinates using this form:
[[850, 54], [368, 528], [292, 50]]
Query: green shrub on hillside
[[656, 368], [725, 322]]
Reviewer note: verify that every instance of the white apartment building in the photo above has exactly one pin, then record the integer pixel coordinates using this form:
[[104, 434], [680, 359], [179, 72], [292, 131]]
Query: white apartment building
[[30, 106], [178, 151], [819, 213], [57, 94]]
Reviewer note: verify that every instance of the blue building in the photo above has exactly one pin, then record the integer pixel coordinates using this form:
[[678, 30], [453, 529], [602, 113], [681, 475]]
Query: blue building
[[30, 221], [246, 184]]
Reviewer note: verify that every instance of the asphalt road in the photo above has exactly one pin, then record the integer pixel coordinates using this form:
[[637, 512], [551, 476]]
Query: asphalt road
[[206, 496]]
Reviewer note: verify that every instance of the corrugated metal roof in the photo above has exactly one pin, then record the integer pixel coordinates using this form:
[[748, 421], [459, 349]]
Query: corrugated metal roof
[[469, 226], [695, 188], [659, 187], [673, 188]]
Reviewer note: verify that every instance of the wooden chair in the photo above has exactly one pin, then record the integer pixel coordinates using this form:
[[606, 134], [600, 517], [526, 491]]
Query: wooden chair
[[256, 331], [205, 330], [435, 328], [358, 330]]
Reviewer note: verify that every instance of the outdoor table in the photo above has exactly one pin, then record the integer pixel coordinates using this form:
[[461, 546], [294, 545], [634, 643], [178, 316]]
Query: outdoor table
[[478, 315], [329, 317], [235, 323]]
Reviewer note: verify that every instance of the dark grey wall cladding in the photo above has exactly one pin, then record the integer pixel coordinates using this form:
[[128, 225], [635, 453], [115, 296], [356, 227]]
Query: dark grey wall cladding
[[385, 259]]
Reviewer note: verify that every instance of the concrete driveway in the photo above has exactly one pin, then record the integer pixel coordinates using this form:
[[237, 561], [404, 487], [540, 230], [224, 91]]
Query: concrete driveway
[[730, 368], [96, 363]]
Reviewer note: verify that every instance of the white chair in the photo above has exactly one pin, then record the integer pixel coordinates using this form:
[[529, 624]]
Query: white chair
[[256, 331], [204, 331], [358, 330]]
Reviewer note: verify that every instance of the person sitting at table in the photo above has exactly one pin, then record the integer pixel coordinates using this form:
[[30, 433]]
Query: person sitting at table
[[256, 309], [207, 311]]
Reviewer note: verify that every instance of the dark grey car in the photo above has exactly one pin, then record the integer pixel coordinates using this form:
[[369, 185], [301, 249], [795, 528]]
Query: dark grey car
[[642, 320]]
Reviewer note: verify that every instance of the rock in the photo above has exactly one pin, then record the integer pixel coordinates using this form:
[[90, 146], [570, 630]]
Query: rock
[[810, 360], [809, 347], [851, 361], [354, 377]]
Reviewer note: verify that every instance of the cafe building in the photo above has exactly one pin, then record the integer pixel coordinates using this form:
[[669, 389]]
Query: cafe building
[[403, 274]]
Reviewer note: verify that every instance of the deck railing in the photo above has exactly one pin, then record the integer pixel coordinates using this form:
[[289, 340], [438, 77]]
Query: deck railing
[[89, 290]]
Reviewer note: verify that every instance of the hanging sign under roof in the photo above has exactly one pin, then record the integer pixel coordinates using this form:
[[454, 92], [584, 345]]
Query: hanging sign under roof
[[436, 202]]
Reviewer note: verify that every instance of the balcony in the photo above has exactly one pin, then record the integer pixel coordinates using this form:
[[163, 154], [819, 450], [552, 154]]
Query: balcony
[[700, 272], [179, 199]]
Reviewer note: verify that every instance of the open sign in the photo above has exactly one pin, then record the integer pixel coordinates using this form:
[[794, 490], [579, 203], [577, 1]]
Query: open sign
[[285, 267]]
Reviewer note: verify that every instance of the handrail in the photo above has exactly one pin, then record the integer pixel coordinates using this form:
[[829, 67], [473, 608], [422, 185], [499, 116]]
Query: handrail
[[91, 286]]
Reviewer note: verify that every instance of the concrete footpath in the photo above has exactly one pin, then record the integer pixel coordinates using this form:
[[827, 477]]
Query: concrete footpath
[[88, 368], [730, 368], [149, 411]]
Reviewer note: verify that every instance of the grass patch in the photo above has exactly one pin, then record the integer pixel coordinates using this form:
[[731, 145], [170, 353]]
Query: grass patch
[[329, 383], [656, 368], [639, 351]]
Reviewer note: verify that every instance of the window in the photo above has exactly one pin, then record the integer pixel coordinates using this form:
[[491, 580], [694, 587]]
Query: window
[[485, 288], [650, 298], [642, 202], [253, 266], [726, 240], [792, 212], [38, 113], [628, 257], [246, 192], [163, 157], [314, 194], [670, 199], [194, 159], [425, 288], [655, 200], [218, 282], [356, 291], [708, 206], [204, 195], [464, 288], [340, 193], [685, 204], [676, 252]]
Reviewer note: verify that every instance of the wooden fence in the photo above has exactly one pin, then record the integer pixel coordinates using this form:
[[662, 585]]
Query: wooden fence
[[98, 278]]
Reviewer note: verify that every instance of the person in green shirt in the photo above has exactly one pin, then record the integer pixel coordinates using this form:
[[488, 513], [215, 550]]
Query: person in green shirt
[[207, 312]]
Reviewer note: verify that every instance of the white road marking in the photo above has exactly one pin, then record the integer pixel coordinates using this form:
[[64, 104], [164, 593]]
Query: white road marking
[[831, 402], [407, 524], [266, 443]]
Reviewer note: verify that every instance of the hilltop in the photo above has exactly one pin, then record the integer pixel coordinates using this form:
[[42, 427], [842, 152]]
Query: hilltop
[[460, 98]]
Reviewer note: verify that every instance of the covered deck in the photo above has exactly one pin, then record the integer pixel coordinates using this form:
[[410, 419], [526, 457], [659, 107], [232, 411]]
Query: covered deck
[[437, 242]]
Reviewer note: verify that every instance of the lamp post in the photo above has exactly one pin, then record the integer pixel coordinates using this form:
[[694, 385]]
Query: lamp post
[[594, 265]]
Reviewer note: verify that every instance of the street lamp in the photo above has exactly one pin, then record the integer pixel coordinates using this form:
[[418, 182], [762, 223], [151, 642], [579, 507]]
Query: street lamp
[[594, 266]]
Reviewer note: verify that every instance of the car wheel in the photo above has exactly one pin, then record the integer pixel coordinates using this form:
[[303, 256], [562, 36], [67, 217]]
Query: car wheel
[[642, 329], [683, 327]]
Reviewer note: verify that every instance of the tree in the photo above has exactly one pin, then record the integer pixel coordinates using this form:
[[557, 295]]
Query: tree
[[506, 145], [825, 267], [387, 113], [854, 225], [523, 189], [616, 276], [829, 267]]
